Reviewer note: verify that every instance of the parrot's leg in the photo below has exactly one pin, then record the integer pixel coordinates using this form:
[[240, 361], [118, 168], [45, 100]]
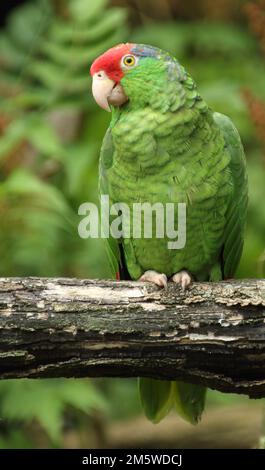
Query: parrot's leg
[[183, 278], [159, 279]]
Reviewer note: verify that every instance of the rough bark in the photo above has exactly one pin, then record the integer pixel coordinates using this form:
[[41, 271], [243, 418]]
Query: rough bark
[[212, 334]]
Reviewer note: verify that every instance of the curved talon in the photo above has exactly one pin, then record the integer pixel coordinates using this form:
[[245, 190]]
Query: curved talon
[[182, 278], [159, 279]]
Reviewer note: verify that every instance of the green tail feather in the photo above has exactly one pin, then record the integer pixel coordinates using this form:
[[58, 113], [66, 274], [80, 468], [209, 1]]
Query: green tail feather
[[157, 398], [189, 401]]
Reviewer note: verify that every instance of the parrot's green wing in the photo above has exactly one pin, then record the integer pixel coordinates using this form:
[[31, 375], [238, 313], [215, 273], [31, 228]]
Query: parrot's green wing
[[190, 399], [106, 157], [113, 247], [237, 210], [120, 251]]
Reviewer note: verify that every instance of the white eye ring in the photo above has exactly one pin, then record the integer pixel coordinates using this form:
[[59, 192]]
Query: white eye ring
[[129, 61]]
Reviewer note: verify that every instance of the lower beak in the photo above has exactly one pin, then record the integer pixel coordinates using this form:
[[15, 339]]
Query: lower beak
[[101, 89], [106, 92]]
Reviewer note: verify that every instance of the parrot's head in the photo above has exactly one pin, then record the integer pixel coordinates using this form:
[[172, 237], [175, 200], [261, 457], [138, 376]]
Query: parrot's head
[[133, 73]]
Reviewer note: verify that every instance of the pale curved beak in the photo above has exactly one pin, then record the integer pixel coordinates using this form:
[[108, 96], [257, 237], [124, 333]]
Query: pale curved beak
[[101, 89], [106, 91]]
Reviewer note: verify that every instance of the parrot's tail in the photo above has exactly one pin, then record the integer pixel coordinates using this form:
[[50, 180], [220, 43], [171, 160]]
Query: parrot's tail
[[189, 401], [158, 397]]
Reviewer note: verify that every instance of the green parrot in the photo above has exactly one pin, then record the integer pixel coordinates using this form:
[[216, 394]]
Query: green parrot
[[165, 145]]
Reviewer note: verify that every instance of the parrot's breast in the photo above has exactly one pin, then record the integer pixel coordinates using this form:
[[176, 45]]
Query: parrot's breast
[[158, 160]]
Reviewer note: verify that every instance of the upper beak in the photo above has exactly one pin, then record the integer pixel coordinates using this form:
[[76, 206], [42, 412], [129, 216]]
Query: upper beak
[[106, 91], [102, 87]]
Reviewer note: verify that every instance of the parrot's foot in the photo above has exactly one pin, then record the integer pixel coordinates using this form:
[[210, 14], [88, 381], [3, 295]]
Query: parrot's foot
[[159, 279], [182, 278]]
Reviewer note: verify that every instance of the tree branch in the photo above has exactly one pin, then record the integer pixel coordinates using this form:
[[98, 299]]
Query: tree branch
[[213, 334]]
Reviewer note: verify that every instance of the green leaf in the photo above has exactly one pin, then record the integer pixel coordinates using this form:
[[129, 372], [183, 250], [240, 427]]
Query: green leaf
[[15, 132], [86, 10], [22, 182], [35, 129], [229, 40], [27, 23], [82, 394], [59, 79], [30, 98], [109, 21], [46, 400], [74, 57], [79, 161], [43, 137], [11, 56], [15, 439]]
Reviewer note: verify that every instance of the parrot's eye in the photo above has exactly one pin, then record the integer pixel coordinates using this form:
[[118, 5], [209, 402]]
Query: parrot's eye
[[129, 60]]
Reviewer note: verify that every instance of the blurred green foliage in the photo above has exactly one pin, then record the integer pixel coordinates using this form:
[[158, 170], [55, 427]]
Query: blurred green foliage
[[45, 401], [50, 136], [51, 126]]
